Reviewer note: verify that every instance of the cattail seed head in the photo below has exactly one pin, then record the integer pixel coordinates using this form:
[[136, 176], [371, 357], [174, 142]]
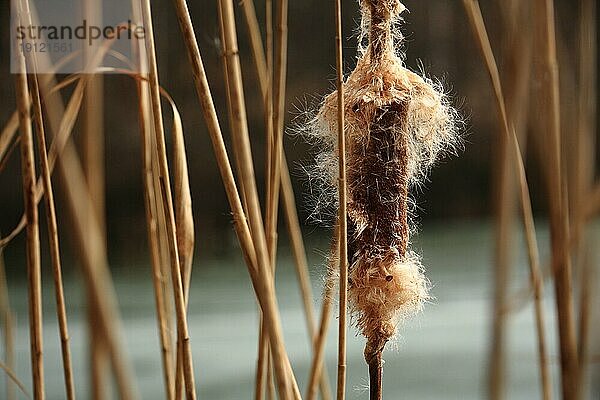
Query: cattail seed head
[[397, 123]]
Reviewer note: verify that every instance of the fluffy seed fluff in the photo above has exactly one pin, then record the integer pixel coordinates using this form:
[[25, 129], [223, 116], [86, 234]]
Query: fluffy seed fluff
[[397, 125]]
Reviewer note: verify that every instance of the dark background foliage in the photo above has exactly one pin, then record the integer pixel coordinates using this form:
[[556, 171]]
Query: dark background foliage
[[437, 41]]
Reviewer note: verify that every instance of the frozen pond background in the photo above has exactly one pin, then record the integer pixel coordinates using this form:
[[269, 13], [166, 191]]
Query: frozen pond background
[[441, 354]]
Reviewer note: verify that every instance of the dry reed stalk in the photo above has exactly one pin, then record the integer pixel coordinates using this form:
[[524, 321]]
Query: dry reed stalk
[[183, 338], [270, 377], [94, 260], [266, 363], [239, 120], [92, 145], [260, 275], [289, 201], [301, 265], [67, 121], [10, 150], [183, 218], [33, 240], [210, 115], [10, 373], [264, 69], [7, 135], [7, 328], [558, 203], [152, 210], [96, 271], [93, 255], [276, 105], [53, 238], [478, 25], [375, 365], [320, 335], [517, 65], [258, 53], [261, 363], [586, 155]]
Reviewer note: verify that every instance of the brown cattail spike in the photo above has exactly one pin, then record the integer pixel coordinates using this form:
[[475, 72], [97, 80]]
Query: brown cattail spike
[[396, 125]]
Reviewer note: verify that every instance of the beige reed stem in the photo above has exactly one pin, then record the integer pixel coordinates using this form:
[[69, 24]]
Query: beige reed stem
[[559, 225], [33, 239], [152, 209], [259, 272], [7, 328], [476, 20], [289, 202], [53, 240], [343, 226], [183, 338], [248, 177]]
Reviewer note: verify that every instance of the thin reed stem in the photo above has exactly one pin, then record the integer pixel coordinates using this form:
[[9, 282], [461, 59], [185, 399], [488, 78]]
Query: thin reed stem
[[586, 154], [7, 328], [278, 77], [266, 86], [258, 53], [343, 225], [301, 265], [260, 274], [53, 240], [477, 23], [33, 240], [558, 204], [152, 209], [93, 254], [517, 71], [254, 213], [320, 336], [289, 202], [183, 338]]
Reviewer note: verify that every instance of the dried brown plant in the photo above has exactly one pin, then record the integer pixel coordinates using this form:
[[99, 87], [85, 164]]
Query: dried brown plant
[[396, 125]]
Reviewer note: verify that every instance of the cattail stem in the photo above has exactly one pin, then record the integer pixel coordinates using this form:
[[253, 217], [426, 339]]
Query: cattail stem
[[342, 213], [376, 376]]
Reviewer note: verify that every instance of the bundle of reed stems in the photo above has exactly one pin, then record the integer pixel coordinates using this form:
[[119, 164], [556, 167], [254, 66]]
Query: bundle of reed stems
[[380, 280]]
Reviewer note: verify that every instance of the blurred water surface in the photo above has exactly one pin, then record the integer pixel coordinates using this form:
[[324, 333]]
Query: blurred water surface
[[440, 354]]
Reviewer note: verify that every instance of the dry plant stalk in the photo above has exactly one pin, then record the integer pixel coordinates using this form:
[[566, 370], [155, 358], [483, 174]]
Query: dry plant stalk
[[343, 223], [53, 239], [6, 315], [558, 201], [183, 338], [256, 261], [396, 125], [34, 278], [153, 208], [516, 45], [93, 253], [536, 277], [240, 125], [585, 180]]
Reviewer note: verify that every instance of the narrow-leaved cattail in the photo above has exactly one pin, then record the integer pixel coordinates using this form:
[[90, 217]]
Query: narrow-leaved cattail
[[397, 123]]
